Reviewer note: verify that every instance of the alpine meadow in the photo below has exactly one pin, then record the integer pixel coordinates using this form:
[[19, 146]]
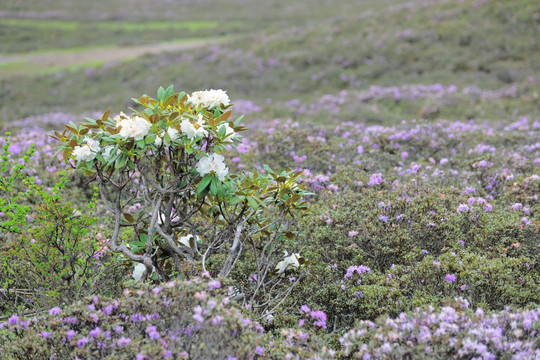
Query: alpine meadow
[[275, 179]]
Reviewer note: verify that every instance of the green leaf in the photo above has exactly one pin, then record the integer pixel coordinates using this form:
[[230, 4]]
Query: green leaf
[[236, 200], [204, 183], [214, 186], [237, 121], [140, 143], [222, 131], [252, 202], [160, 93], [121, 161], [150, 139]]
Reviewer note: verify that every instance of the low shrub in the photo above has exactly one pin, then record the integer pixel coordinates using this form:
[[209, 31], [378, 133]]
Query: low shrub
[[453, 332], [52, 254], [192, 319]]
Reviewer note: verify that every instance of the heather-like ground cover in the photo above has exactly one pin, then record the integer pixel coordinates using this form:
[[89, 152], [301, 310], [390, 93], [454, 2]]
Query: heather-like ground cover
[[415, 126]]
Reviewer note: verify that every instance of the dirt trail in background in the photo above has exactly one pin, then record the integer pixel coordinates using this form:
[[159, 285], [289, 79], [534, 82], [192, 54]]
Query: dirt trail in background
[[67, 58]]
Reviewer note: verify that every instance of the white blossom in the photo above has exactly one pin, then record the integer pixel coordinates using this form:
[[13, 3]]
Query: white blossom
[[120, 117], [184, 240], [158, 141], [209, 98], [288, 263], [136, 127], [213, 164], [173, 133], [138, 271], [193, 130], [228, 131], [87, 151]]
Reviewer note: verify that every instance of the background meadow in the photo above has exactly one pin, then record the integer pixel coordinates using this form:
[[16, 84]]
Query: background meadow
[[415, 125]]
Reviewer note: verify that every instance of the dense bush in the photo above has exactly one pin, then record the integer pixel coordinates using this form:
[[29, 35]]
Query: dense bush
[[453, 332], [52, 253], [190, 319]]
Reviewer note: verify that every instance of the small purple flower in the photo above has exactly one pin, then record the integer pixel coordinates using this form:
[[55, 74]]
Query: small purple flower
[[107, 310], [304, 308], [375, 179], [436, 264], [358, 269], [321, 318], [152, 332], [54, 311], [424, 251], [259, 350], [301, 322], [353, 233], [471, 200], [123, 341], [13, 319], [383, 218], [45, 334], [450, 278], [526, 221], [214, 284], [95, 332], [82, 342], [488, 208], [70, 334], [462, 208], [517, 206], [463, 287]]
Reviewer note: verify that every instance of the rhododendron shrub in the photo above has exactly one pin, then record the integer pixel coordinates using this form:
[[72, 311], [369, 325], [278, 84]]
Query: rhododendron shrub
[[162, 173], [192, 319], [454, 332]]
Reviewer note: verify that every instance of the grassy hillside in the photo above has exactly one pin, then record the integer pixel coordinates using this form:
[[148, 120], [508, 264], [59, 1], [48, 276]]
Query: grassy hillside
[[489, 45]]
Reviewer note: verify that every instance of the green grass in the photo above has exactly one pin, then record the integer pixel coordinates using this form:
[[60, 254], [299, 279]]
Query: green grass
[[110, 25], [29, 63]]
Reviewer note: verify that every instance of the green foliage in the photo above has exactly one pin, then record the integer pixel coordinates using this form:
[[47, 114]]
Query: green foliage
[[49, 249]]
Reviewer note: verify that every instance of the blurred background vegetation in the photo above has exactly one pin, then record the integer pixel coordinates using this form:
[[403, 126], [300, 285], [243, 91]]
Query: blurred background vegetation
[[76, 57]]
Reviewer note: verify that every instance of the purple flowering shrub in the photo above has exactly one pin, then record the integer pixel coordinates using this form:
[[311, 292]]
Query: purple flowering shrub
[[192, 319], [412, 202], [455, 332]]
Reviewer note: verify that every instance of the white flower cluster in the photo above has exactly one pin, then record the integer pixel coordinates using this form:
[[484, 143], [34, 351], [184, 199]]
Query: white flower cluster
[[288, 263], [88, 151], [213, 164], [209, 98], [136, 127], [193, 130]]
